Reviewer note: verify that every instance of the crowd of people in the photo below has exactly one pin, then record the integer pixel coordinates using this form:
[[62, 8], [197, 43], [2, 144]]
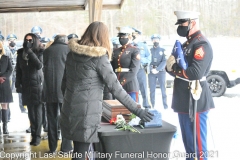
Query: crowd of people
[[63, 82]]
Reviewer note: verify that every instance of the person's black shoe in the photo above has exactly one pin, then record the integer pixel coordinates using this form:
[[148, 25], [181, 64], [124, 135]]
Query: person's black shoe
[[28, 130], [34, 143]]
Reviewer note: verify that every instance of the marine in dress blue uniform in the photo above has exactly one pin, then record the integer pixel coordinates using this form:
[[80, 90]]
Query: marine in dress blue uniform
[[145, 61], [126, 63], [199, 55], [157, 71]]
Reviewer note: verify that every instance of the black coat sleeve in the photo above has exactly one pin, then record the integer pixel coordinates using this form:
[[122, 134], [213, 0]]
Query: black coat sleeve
[[37, 60], [105, 71], [18, 83], [9, 70], [63, 86]]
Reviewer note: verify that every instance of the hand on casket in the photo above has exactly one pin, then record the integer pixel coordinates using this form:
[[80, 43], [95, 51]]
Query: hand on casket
[[144, 114]]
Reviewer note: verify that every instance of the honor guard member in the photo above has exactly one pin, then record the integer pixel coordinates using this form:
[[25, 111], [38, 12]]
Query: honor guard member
[[145, 61], [199, 55], [157, 71], [126, 62], [37, 30], [73, 35]]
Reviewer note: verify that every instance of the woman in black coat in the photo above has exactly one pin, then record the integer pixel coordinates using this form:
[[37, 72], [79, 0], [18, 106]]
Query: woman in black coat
[[29, 78], [87, 70], [5, 89]]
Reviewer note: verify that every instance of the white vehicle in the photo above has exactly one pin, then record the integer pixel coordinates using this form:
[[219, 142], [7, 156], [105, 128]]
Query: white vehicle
[[220, 80], [225, 70]]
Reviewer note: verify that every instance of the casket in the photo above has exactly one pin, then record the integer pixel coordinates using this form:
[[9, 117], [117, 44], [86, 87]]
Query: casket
[[111, 108]]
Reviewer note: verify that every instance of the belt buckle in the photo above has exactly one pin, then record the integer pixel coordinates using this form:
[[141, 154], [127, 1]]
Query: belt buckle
[[119, 69]]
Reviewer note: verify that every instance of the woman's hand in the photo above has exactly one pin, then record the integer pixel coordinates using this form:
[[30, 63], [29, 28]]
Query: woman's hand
[[2, 79]]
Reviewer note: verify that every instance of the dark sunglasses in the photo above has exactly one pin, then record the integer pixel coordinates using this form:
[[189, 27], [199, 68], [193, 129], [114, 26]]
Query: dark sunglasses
[[29, 40]]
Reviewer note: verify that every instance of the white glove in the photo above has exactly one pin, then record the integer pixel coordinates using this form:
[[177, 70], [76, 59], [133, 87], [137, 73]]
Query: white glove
[[171, 60], [154, 71], [196, 89]]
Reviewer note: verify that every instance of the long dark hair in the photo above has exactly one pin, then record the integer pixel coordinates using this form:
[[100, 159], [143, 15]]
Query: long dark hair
[[97, 35], [36, 43]]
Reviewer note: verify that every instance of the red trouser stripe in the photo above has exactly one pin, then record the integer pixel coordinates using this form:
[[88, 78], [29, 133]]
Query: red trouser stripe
[[198, 130]]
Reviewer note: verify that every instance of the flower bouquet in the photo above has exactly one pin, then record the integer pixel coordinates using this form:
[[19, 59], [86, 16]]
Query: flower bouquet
[[121, 124]]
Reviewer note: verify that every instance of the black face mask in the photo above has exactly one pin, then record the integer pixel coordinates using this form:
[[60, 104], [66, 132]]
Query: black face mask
[[12, 44], [29, 45], [123, 41], [0, 51], [156, 44], [183, 31]]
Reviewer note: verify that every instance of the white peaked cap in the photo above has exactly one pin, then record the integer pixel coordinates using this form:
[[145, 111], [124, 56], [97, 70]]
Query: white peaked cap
[[126, 30], [184, 15]]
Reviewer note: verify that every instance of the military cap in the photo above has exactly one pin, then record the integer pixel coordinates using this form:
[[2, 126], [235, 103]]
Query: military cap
[[73, 35], [44, 40], [125, 30], [1, 38], [137, 31], [36, 29], [184, 16], [11, 37], [155, 36]]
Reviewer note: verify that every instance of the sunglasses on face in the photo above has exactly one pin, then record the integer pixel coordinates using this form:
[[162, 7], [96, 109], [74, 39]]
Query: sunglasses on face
[[29, 40]]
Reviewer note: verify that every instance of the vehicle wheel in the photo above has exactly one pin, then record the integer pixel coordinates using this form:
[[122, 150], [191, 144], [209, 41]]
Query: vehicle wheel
[[217, 85]]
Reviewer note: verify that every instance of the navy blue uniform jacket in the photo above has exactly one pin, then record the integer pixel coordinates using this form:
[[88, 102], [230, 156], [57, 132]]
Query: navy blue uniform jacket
[[127, 58], [199, 55]]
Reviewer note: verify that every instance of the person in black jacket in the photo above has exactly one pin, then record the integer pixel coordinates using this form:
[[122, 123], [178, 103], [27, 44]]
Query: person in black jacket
[[29, 79], [87, 70], [5, 89], [54, 58]]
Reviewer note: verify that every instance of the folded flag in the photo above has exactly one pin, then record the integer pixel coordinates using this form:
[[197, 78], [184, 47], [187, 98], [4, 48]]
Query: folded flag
[[179, 56]]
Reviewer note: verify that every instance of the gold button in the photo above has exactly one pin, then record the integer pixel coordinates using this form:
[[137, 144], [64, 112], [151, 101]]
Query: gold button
[[187, 43], [189, 37], [179, 72]]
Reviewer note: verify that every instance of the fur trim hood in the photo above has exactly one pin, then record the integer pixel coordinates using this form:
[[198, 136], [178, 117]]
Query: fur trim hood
[[86, 50]]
